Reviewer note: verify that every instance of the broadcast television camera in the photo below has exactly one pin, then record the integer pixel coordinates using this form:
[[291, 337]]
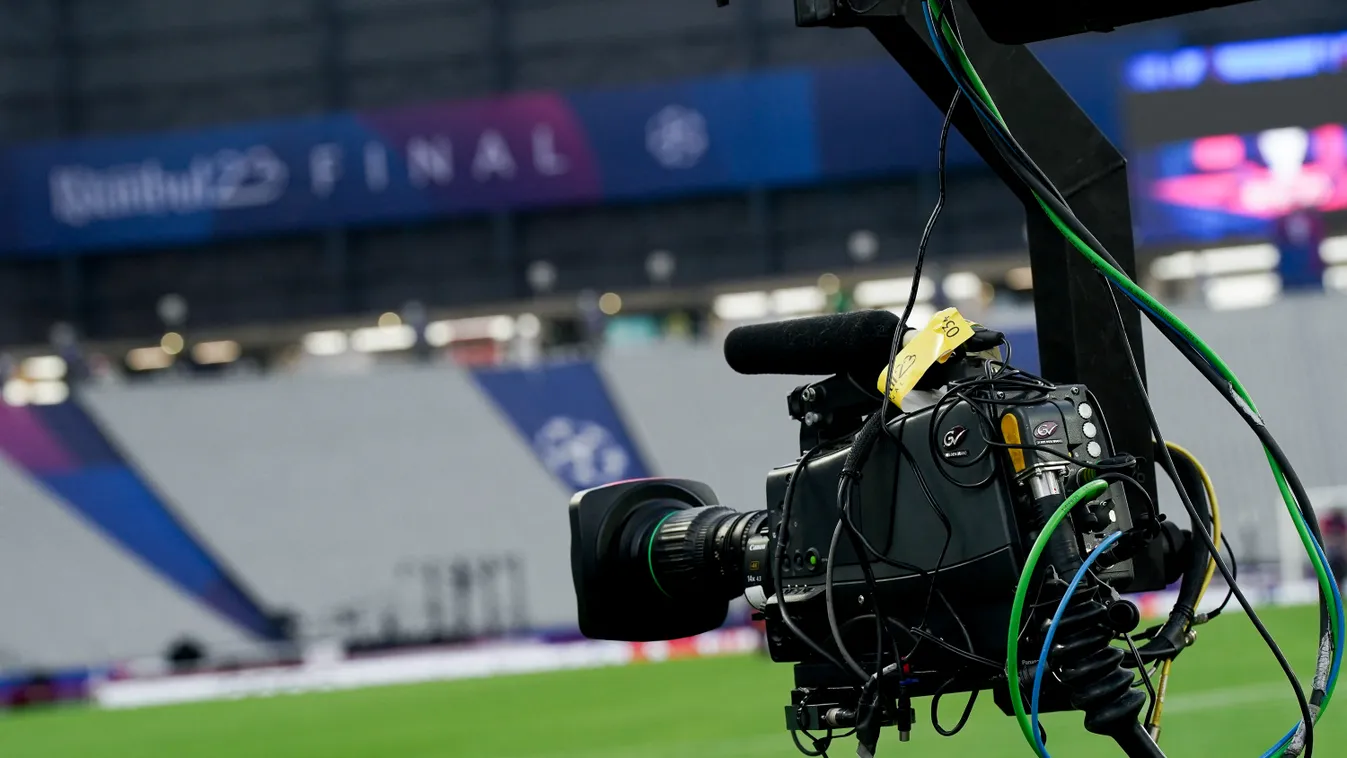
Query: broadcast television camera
[[886, 560], [973, 529]]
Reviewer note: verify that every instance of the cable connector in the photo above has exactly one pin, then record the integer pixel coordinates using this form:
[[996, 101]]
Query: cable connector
[[1132, 543], [1123, 463], [868, 723], [904, 718]]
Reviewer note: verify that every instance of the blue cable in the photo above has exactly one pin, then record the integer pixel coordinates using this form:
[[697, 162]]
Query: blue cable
[[1052, 632], [996, 128], [1318, 549], [982, 110], [1337, 649], [1075, 583], [987, 117]]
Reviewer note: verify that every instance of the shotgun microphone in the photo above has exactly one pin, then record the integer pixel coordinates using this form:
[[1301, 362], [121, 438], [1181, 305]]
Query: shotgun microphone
[[846, 343]]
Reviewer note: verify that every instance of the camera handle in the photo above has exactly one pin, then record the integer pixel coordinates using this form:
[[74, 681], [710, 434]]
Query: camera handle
[[1089, 668], [1092, 670]]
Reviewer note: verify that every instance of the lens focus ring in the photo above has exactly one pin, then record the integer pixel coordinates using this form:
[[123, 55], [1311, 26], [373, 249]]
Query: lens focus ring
[[681, 559]]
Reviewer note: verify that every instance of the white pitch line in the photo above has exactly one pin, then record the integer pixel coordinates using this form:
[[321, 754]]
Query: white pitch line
[[1209, 700]]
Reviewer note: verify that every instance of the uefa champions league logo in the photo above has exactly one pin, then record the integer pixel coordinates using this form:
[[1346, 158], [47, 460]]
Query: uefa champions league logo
[[581, 452], [677, 137]]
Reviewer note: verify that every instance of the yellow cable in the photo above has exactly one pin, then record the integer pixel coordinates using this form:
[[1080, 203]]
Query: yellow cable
[[1162, 684], [1215, 512], [1161, 689]]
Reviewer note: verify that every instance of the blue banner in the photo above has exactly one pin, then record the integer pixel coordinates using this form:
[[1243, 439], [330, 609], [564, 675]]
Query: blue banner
[[788, 127], [62, 448], [702, 135], [1024, 349], [567, 417]]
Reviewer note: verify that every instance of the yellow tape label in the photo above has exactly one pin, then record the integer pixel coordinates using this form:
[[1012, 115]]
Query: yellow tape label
[[934, 344]]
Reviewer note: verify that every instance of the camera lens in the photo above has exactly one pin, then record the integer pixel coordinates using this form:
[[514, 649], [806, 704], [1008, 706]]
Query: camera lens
[[659, 559], [699, 552]]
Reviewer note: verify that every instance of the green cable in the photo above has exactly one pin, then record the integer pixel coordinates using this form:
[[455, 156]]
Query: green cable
[[1320, 570], [1087, 492]]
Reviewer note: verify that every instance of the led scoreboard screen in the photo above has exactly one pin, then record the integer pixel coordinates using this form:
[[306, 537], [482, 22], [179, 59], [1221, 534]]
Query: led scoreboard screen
[[1226, 140]]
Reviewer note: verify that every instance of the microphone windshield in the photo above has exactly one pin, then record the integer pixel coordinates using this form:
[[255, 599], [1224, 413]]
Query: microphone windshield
[[847, 343]]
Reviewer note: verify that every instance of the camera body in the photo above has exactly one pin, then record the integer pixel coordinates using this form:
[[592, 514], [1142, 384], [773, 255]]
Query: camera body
[[945, 504], [950, 516], [896, 553]]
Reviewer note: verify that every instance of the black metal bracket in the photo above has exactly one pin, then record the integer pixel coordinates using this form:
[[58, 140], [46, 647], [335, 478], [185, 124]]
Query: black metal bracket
[[830, 409], [1078, 334]]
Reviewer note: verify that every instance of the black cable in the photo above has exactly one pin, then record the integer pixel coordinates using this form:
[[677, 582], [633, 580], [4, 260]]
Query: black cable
[[1096, 466], [1208, 371], [987, 117], [963, 629], [860, 449], [779, 559], [1153, 671], [1068, 218], [1145, 675], [866, 438], [963, 718], [1029, 172], [922, 245], [1019, 161], [933, 502], [1031, 391], [917, 633], [1039, 602], [1234, 568], [863, 549], [1274, 449], [1003, 137], [821, 744], [831, 608], [962, 391], [1115, 476], [862, 11], [1167, 641], [1197, 528], [940, 515], [1198, 361]]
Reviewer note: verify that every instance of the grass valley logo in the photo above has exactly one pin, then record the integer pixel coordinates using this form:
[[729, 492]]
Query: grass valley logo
[[953, 440], [1045, 430]]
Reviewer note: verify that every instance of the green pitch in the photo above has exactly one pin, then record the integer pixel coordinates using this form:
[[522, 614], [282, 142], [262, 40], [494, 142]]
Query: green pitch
[[1227, 699]]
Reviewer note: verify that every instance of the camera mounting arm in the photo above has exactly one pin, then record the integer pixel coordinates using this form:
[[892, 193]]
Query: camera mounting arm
[[1077, 328], [1078, 331]]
